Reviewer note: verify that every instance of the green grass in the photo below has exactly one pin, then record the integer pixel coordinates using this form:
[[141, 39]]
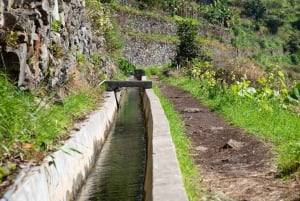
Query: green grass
[[279, 125], [30, 126], [61, 117], [189, 170], [157, 15], [152, 37]]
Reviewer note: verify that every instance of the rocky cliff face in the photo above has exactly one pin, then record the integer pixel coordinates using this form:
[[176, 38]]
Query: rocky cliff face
[[39, 40]]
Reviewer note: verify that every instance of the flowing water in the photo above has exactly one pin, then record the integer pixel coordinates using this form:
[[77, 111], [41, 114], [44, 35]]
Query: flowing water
[[119, 171]]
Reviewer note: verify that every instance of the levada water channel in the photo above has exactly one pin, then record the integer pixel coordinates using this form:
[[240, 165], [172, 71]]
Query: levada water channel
[[119, 171]]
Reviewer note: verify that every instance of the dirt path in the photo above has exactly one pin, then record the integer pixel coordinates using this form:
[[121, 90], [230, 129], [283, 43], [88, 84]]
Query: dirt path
[[235, 165]]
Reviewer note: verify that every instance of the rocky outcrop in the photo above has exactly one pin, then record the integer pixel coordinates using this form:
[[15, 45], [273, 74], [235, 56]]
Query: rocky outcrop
[[39, 40]]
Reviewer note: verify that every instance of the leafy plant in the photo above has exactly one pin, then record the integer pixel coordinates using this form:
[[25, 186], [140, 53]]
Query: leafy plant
[[56, 26], [296, 24], [99, 17], [11, 38], [32, 125], [255, 9], [294, 94], [56, 50], [218, 12], [96, 59], [80, 59], [126, 66], [273, 22], [187, 49]]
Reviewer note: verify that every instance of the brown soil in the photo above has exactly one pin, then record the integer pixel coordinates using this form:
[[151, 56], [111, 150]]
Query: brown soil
[[234, 165]]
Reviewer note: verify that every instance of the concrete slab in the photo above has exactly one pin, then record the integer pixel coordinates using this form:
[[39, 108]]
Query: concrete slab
[[163, 176]]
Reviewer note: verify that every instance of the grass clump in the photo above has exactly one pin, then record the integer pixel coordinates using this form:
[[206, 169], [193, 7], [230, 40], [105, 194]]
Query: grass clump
[[153, 37]]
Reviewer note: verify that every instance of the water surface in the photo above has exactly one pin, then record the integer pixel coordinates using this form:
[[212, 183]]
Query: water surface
[[119, 171]]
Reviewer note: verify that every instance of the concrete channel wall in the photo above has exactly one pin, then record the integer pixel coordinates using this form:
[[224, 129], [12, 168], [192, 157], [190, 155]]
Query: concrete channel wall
[[62, 174], [163, 180]]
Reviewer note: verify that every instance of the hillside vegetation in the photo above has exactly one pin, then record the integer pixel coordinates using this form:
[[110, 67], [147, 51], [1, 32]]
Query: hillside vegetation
[[266, 32], [241, 58]]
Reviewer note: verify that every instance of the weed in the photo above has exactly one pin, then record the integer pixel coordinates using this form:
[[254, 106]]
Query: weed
[[126, 66], [80, 59], [99, 17], [96, 59], [56, 50], [56, 26], [114, 42], [11, 38]]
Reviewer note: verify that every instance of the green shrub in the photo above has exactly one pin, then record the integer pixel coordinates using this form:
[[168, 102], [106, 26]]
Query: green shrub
[[295, 59], [254, 8], [296, 24], [294, 94], [273, 22], [99, 17], [218, 12], [187, 49], [126, 66], [293, 44], [169, 5]]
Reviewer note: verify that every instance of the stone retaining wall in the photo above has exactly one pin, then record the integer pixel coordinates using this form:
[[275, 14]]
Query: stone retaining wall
[[143, 52]]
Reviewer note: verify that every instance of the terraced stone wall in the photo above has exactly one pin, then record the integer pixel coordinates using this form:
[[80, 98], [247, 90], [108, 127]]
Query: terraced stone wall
[[140, 48]]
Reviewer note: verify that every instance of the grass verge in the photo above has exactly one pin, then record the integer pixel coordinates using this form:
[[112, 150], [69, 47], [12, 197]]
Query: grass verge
[[32, 126]]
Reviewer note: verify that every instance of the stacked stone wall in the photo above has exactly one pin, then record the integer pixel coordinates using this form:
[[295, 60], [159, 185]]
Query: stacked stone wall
[[39, 40]]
